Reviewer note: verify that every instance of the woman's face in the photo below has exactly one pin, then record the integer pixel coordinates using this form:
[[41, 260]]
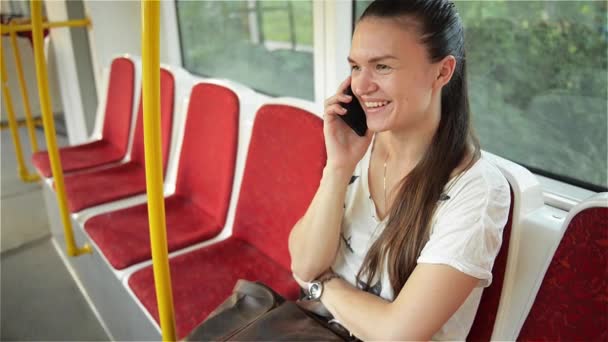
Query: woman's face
[[391, 75]]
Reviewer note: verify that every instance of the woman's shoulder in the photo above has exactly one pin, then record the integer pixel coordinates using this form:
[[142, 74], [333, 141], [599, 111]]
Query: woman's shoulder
[[480, 191], [483, 179]]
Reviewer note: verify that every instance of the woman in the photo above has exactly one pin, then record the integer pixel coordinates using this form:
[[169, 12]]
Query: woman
[[400, 238]]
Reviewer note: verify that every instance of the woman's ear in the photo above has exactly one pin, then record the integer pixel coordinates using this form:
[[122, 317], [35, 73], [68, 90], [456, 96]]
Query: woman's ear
[[445, 71]]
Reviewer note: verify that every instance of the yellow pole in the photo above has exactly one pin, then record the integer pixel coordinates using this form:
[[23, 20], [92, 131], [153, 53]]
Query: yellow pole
[[12, 123], [23, 87], [154, 165], [28, 27], [49, 129]]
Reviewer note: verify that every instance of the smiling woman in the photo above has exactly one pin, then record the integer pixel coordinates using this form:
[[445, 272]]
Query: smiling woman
[[562, 43], [404, 229], [392, 230]]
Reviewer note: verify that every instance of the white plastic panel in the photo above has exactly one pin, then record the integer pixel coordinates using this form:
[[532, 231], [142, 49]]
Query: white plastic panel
[[527, 199]]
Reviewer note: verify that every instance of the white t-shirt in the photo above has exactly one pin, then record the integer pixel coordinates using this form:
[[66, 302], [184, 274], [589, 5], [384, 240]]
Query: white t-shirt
[[466, 233]]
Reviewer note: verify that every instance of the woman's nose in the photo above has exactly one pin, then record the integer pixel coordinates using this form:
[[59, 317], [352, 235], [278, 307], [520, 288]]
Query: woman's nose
[[363, 84]]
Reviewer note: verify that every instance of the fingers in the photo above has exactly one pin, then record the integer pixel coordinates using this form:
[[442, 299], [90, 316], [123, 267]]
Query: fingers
[[335, 109], [333, 103], [338, 98]]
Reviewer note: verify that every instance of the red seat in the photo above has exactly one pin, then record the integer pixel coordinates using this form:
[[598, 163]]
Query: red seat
[[85, 190], [117, 124], [197, 211], [483, 325], [284, 166], [572, 302]]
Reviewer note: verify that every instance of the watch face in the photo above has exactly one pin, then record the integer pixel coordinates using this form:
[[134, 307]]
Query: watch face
[[315, 290]]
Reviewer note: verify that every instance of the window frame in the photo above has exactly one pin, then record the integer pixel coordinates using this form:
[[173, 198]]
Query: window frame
[[182, 62]]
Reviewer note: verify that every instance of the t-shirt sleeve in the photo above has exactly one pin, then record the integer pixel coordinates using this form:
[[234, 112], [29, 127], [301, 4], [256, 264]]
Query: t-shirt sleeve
[[467, 231]]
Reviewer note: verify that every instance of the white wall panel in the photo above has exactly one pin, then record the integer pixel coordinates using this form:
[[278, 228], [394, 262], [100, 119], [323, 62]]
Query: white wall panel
[[117, 30], [68, 76]]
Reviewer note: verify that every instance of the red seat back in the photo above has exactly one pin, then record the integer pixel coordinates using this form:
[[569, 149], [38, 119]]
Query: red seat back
[[119, 103], [206, 166], [483, 325], [167, 94], [572, 302], [283, 170]]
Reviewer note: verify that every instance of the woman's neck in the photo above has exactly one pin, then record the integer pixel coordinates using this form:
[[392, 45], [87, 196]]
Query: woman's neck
[[406, 147]]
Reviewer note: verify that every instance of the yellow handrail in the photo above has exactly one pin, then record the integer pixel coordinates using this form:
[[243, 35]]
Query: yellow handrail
[[154, 165], [49, 129], [24, 174], [28, 27], [23, 87], [21, 123]]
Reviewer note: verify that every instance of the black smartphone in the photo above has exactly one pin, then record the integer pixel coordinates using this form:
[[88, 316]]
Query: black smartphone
[[355, 116]]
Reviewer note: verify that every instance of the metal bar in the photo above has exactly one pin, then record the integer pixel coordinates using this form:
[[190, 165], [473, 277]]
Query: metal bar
[[49, 129], [24, 174], [23, 87], [259, 16], [21, 123], [29, 27], [292, 27], [154, 165]]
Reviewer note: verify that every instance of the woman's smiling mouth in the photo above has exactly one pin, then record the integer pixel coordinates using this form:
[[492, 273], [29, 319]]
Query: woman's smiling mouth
[[375, 106]]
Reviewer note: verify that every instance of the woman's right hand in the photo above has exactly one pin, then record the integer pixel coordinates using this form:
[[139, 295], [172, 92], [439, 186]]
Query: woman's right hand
[[344, 147]]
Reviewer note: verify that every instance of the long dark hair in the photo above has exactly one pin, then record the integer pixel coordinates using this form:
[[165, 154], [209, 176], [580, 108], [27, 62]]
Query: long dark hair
[[408, 228]]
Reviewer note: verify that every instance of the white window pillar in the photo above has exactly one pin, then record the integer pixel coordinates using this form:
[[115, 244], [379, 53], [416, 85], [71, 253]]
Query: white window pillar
[[332, 21]]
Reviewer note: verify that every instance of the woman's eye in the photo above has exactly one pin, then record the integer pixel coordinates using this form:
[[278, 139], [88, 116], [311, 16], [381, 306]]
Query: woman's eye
[[354, 68], [383, 67]]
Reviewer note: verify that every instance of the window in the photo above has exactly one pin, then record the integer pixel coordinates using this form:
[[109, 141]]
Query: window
[[267, 45], [537, 84]]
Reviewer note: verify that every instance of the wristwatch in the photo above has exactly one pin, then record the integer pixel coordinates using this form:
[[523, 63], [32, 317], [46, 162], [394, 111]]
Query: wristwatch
[[315, 288]]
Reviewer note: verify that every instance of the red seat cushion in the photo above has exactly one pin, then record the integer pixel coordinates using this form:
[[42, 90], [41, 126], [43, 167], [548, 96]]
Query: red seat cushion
[[483, 325], [572, 302], [203, 279], [124, 238], [79, 157], [117, 124], [85, 190]]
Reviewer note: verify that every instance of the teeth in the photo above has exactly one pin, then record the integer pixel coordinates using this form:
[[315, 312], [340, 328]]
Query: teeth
[[376, 104]]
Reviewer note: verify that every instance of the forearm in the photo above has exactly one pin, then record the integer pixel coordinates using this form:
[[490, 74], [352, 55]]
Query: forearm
[[432, 294], [365, 315], [313, 242]]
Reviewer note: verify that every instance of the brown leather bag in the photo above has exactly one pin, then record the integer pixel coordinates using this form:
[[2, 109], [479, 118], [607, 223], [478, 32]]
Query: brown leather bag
[[254, 312]]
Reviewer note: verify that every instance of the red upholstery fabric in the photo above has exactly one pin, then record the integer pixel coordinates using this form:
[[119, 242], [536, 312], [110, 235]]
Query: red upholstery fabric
[[202, 279], [284, 167], [198, 209], [206, 166], [124, 239], [117, 124], [85, 190], [167, 89], [78, 157], [483, 325], [572, 302]]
